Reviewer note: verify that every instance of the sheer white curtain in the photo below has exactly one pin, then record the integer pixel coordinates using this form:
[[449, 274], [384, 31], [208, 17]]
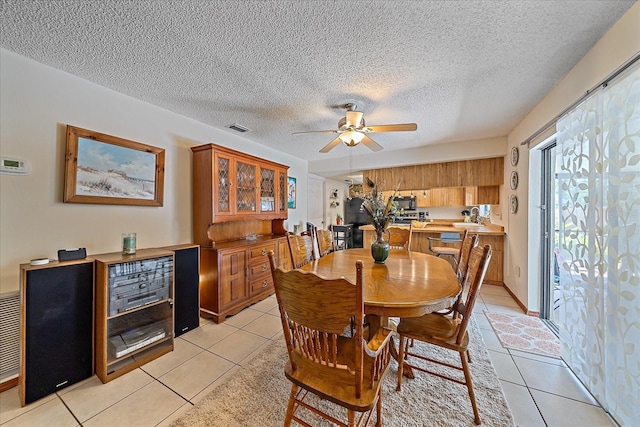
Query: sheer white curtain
[[599, 194]]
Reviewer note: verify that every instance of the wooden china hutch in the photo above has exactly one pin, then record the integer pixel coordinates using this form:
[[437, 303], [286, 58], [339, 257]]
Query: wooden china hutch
[[239, 209]]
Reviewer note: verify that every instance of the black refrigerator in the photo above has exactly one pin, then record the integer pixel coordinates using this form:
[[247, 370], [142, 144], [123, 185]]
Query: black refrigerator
[[353, 214]]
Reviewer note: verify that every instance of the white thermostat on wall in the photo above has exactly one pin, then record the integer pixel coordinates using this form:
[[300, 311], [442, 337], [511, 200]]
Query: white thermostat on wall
[[14, 166]]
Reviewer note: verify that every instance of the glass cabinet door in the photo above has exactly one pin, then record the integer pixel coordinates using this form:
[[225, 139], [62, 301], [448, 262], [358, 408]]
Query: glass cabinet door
[[223, 193], [267, 190], [246, 194]]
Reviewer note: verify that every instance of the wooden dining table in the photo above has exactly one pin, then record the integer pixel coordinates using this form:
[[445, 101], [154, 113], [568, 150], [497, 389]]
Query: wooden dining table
[[408, 284]]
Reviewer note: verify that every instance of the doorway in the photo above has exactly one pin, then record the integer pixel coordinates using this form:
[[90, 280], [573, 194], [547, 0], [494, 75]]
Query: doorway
[[315, 201]]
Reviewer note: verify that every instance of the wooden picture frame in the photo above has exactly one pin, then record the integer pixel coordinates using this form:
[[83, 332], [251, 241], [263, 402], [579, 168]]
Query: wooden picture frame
[[291, 192], [105, 169]]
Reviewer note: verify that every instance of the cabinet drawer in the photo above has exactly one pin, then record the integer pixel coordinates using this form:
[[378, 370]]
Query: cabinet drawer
[[258, 268], [260, 283], [257, 252]]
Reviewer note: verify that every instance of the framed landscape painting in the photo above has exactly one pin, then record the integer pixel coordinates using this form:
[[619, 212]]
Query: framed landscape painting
[[105, 169], [291, 193]]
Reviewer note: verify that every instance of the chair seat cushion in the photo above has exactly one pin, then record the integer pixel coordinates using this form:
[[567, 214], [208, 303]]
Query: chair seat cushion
[[335, 385], [434, 328], [445, 250]]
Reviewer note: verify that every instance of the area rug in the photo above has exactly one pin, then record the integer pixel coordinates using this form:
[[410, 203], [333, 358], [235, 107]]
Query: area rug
[[524, 333], [257, 395]]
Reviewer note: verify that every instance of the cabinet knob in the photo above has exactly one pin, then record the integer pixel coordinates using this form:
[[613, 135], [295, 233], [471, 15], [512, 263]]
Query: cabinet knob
[[264, 267], [265, 283], [264, 251]]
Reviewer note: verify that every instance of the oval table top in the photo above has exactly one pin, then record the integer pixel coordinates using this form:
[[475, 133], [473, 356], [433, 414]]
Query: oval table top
[[408, 284]]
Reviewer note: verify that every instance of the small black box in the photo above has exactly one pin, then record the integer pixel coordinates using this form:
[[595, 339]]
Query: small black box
[[71, 254]]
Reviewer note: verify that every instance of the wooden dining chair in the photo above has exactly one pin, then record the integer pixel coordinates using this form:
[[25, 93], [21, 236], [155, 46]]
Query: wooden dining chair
[[325, 359], [399, 238], [469, 241], [325, 241], [301, 248], [446, 332]]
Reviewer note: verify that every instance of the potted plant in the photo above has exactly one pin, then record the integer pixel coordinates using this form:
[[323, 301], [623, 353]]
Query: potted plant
[[338, 219], [381, 213]]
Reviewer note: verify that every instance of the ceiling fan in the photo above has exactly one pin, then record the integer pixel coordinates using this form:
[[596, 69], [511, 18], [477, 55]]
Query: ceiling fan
[[352, 130]]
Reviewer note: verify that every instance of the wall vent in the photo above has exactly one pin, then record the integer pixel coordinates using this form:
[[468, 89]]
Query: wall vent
[[9, 335], [239, 128]]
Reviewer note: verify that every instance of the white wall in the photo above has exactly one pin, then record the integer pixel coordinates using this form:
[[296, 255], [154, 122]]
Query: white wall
[[615, 48], [36, 103], [343, 193]]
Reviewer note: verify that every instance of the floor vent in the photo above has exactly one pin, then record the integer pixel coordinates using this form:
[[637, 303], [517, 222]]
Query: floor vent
[[9, 335], [239, 128]]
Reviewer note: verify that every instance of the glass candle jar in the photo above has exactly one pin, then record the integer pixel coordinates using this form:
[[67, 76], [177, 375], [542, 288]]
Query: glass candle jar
[[128, 243]]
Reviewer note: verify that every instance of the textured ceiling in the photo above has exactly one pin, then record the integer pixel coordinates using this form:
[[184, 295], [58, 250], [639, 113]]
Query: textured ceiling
[[460, 70]]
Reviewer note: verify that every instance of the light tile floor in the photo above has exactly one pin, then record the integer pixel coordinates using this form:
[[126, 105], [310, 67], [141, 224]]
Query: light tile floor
[[541, 391]]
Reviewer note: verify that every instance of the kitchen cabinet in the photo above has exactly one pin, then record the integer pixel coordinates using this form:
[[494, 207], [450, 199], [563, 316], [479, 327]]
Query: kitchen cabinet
[[494, 274], [455, 196], [134, 310], [232, 186], [236, 274], [482, 195], [466, 173]]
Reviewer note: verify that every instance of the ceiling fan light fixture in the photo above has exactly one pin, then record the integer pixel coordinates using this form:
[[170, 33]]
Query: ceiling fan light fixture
[[351, 138], [354, 119]]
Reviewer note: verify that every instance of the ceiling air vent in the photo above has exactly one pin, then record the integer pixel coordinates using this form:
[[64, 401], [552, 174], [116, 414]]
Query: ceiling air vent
[[239, 128]]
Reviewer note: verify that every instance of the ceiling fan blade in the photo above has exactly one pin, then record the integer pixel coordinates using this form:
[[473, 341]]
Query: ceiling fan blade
[[316, 131], [391, 128], [371, 144], [330, 146]]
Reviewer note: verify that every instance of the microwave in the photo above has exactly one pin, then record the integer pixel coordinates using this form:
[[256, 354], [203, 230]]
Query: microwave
[[407, 203]]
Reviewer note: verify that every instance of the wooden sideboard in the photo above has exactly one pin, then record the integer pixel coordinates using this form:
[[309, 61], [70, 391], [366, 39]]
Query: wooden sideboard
[[236, 195], [236, 274]]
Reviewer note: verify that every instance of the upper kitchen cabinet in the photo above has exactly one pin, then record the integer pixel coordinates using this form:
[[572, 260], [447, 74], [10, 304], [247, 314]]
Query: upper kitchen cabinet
[[232, 186], [466, 173], [482, 195], [448, 174], [483, 172]]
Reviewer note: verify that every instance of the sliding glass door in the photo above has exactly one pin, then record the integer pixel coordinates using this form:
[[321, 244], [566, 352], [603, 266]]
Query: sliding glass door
[[598, 190], [550, 275]]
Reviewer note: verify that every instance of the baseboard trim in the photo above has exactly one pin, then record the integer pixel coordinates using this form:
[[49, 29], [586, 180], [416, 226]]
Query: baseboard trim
[[520, 304], [9, 384]]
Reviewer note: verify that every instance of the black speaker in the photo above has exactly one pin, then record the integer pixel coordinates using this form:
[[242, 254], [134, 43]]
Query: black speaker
[[186, 270], [57, 327]]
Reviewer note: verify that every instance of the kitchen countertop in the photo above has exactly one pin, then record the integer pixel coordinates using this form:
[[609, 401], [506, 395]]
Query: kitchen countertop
[[489, 229]]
